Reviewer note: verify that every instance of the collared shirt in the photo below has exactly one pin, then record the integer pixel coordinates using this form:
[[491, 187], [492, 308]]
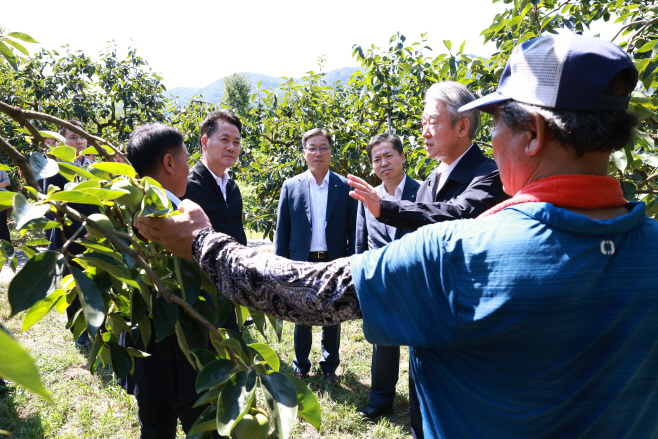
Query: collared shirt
[[319, 196], [85, 161], [221, 181], [397, 197], [442, 175], [173, 198]]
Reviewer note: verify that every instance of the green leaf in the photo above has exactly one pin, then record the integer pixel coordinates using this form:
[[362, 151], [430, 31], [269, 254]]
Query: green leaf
[[241, 313], [18, 47], [38, 241], [56, 136], [214, 373], [71, 169], [619, 160], [40, 309], [23, 37], [91, 299], [205, 422], [145, 330], [122, 361], [268, 354], [75, 197], [42, 167], [165, 316], [277, 324], [233, 402], [281, 397], [16, 365], [93, 150], [204, 357], [308, 406], [7, 198], [448, 44], [115, 168], [40, 276], [63, 152], [103, 194], [259, 320], [647, 46], [9, 55], [110, 264]]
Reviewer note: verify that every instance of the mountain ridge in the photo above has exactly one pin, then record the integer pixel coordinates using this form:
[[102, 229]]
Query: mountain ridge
[[213, 91]]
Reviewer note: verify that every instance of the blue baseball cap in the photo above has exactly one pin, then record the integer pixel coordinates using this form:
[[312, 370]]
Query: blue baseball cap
[[565, 72]]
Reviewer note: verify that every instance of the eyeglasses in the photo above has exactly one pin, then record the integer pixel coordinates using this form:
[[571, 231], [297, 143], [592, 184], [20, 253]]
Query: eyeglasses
[[314, 150]]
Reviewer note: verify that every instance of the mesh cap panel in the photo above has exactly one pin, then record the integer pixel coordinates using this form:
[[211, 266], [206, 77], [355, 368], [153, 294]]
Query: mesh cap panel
[[537, 72]]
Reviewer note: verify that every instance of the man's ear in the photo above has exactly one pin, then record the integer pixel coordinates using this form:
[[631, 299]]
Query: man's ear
[[462, 126], [538, 135], [168, 163], [204, 142]]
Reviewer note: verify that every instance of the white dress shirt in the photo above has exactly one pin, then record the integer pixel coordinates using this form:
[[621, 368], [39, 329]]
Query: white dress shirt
[[319, 196], [397, 197], [173, 198], [221, 181], [443, 174]]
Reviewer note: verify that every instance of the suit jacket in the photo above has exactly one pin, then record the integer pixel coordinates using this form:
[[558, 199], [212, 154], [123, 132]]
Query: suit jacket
[[472, 187], [370, 233], [293, 227], [55, 234], [225, 214]]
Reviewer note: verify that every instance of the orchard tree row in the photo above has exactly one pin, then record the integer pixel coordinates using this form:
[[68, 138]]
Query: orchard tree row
[[128, 284]]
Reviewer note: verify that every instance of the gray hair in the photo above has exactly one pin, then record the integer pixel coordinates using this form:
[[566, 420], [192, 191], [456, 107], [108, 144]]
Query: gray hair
[[584, 131], [455, 95]]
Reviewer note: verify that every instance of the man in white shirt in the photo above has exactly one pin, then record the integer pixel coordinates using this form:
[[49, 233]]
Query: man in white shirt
[[386, 154], [316, 222]]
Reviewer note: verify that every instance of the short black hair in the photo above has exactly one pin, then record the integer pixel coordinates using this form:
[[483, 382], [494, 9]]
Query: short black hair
[[209, 125], [395, 142], [316, 132], [149, 143]]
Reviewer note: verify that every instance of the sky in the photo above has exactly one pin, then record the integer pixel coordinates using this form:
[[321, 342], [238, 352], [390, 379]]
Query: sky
[[193, 43]]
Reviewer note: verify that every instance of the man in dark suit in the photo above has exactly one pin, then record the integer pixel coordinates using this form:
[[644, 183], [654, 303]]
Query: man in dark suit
[[209, 185], [316, 223], [163, 383], [386, 154], [464, 185], [57, 236]]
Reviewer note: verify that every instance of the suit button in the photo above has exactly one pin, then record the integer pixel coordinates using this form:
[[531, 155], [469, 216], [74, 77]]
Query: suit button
[[310, 230], [308, 248]]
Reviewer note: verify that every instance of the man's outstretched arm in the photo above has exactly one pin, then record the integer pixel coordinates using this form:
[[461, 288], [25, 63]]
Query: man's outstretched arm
[[307, 293]]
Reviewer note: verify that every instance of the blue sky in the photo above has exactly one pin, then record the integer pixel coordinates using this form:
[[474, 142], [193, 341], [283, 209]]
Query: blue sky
[[192, 43]]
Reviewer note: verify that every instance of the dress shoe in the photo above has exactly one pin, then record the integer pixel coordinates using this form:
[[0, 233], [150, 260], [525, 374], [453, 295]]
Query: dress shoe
[[331, 377], [302, 376], [372, 412]]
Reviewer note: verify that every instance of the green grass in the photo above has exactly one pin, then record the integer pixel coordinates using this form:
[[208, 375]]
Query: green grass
[[95, 407]]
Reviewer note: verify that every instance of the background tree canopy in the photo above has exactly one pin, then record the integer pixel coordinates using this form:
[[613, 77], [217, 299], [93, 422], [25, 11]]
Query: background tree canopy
[[124, 279]]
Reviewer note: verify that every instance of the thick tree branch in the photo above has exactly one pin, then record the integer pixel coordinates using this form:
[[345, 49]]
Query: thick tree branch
[[95, 141], [22, 163]]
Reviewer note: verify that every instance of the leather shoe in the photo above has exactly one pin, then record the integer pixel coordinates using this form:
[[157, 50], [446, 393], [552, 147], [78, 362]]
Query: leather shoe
[[302, 376], [331, 377], [372, 412]]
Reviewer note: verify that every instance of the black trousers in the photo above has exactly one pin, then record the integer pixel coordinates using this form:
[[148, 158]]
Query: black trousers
[[159, 420], [414, 409]]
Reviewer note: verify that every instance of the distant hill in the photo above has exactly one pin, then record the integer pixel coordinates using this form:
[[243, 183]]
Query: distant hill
[[213, 92]]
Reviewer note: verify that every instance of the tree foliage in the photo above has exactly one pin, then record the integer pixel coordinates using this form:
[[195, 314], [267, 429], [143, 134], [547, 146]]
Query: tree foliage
[[237, 94]]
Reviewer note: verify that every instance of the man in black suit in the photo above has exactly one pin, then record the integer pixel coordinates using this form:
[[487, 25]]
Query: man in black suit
[[316, 222], [57, 236], [464, 185], [209, 185], [163, 383], [386, 154]]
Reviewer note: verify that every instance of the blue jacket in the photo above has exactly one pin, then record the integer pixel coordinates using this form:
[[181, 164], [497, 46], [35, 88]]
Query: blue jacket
[[293, 227]]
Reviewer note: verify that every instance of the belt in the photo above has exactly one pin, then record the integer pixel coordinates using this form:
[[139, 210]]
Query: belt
[[319, 255]]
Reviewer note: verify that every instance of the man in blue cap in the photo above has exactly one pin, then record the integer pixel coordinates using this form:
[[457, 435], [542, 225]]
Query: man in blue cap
[[537, 319]]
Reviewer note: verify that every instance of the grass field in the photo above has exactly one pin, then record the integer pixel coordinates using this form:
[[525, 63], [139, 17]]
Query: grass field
[[95, 407]]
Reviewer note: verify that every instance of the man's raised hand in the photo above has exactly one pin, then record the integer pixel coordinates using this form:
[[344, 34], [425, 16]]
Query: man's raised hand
[[176, 233], [365, 194]]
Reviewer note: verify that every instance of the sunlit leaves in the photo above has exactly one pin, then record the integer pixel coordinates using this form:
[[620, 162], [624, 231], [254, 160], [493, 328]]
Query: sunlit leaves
[[39, 277]]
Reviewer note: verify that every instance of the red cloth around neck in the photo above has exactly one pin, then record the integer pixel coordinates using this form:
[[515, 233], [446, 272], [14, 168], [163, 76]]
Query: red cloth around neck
[[568, 191]]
